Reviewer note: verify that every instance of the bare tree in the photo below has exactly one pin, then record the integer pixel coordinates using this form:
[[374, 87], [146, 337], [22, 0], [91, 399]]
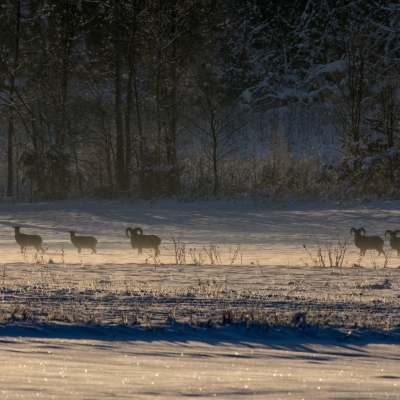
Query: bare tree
[[219, 121], [172, 34], [121, 177], [10, 68]]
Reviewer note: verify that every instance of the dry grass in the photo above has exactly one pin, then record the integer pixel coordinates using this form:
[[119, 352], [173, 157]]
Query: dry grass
[[261, 296]]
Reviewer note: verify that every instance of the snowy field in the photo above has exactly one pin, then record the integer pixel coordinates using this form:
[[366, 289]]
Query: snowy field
[[213, 315]]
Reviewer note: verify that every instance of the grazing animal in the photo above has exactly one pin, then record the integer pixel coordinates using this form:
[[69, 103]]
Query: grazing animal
[[394, 240], [365, 243], [140, 241], [83, 242], [28, 240]]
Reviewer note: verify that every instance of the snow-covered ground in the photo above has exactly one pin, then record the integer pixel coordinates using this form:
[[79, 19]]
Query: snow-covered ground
[[123, 362], [220, 322]]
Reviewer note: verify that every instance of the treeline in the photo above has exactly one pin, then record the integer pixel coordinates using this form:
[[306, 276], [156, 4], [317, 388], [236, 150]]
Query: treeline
[[193, 98]]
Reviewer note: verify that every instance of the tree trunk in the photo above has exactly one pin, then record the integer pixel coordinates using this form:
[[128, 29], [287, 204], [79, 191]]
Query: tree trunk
[[159, 159], [120, 159], [68, 32], [128, 113], [170, 137], [38, 148], [108, 146], [140, 158], [215, 156], [10, 147], [10, 132], [78, 170]]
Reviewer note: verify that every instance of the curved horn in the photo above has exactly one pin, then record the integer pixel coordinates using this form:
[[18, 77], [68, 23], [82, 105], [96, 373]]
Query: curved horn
[[138, 231], [390, 233], [128, 230], [361, 229], [353, 230], [396, 232]]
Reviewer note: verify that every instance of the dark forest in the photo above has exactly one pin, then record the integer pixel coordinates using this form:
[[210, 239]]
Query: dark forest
[[199, 99]]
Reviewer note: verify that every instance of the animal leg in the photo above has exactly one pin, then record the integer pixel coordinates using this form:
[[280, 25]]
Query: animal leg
[[79, 250]]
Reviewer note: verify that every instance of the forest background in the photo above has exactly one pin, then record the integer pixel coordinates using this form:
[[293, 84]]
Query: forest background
[[200, 99]]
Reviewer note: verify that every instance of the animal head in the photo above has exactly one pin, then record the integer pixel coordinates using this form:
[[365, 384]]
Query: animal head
[[72, 233], [17, 228], [392, 233], [357, 232], [136, 231]]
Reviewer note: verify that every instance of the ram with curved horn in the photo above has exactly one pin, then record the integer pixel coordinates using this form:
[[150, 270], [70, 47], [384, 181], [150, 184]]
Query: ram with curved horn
[[394, 240], [140, 241], [365, 243]]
